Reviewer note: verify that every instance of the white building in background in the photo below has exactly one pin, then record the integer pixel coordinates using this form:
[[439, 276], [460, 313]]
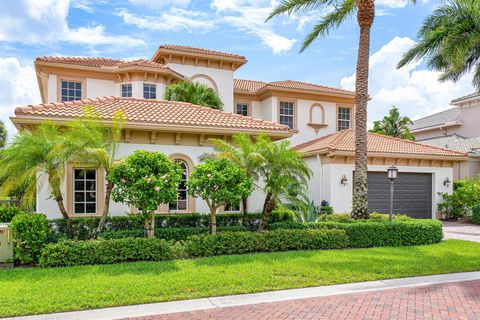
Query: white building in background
[[317, 117]]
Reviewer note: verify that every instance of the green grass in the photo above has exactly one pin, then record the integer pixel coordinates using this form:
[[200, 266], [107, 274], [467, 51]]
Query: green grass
[[33, 291]]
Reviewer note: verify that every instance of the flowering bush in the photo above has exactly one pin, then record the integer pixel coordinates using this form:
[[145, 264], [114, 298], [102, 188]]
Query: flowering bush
[[144, 180]]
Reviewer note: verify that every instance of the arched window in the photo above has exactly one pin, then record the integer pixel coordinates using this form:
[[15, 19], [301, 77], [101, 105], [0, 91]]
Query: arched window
[[182, 196]]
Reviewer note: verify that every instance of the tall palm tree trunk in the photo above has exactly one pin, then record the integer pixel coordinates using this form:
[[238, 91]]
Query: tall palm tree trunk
[[106, 209], [366, 13], [63, 211]]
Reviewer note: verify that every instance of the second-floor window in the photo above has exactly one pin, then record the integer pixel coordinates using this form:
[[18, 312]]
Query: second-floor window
[[287, 114], [344, 118], [242, 109], [149, 91], [71, 90], [127, 90]]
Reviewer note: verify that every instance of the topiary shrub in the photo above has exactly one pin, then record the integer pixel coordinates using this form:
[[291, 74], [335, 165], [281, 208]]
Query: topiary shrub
[[71, 253], [378, 234], [267, 241], [30, 235]]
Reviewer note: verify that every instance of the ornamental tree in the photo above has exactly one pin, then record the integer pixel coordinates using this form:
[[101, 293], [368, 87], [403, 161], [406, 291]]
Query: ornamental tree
[[219, 182], [144, 180]]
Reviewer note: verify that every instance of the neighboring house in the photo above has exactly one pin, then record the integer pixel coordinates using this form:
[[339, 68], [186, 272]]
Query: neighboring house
[[457, 129], [289, 109]]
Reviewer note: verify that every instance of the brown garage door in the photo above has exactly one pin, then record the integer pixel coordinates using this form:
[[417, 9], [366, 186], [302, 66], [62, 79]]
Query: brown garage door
[[412, 195]]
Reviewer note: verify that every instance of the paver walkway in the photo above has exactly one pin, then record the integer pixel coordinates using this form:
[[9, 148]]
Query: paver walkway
[[461, 231], [457, 300]]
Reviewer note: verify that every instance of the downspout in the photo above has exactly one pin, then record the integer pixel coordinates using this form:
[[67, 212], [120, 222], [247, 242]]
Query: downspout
[[321, 177]]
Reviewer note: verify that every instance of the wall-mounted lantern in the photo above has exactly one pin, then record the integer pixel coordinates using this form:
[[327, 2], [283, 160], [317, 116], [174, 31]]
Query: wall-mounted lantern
[[344, 180], [447, 182]]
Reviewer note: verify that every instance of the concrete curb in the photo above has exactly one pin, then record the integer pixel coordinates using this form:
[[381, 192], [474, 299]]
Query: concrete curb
[[253, 298]]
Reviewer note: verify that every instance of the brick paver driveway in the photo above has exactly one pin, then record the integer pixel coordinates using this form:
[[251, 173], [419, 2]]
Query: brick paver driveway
[[459, 300]]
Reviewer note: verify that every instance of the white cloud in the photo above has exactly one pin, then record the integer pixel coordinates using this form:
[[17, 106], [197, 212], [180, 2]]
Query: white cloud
[[19, 88], [416, 92], [44, 22], [174, 19], [250, 16], [159, 4]]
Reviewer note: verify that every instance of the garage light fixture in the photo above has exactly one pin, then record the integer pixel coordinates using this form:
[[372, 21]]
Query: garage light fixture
[[392, 172], [447, 182], [344, 180]]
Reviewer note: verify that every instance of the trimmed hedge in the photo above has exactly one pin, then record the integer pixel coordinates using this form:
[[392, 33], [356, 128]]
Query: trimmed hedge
[[476, 214], [346, 217], [267, 241], [84, 228], [71, 253], [30, 235], [364, 234], [175, 234]]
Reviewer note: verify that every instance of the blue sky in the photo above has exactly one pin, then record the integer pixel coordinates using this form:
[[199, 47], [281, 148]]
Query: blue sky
[[130, 29]]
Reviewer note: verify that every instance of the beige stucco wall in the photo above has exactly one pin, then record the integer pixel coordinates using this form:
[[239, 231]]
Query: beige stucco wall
[[466, 169]]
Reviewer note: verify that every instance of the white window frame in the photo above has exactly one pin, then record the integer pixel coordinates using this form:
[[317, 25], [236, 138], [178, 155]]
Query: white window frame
[[342, 122], [174, 206], [242, 104], [126, 91], [281, 104], [75, 89], [150, 85]]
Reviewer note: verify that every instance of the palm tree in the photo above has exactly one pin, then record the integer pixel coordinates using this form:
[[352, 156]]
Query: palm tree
[[450, 40], [245, 154], [3, 135], [343, 9], [31, 157], [284, 174], [88, 141], [394, 125], [194, 92]]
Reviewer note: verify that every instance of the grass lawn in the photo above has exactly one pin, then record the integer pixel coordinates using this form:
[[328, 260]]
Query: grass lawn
[[33, 291]]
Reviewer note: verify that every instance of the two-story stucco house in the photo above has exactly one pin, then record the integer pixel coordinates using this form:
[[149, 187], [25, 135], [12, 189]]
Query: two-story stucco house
[[457, 129], [316, 118]]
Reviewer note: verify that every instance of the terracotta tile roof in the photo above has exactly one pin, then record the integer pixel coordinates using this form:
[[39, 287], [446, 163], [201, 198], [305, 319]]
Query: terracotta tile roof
[[155, 112], [82, 61], [105, 63], [201, 51], [345, 141], [248, 85], [253, 86]]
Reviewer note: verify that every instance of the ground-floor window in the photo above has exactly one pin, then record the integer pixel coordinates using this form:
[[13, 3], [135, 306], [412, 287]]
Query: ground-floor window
[[85, 191], [232, 207], [182, 196]]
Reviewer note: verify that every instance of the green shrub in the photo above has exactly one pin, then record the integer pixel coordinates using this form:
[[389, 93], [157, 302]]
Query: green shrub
[[378, 234], [30, 235], [476, 214], [8, 212], [267, 241], [465, 195], [71, 253], [175, 234], [84, 228]]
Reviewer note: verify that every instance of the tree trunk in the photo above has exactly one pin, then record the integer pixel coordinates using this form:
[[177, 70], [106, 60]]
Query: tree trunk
[[213, 220], [268, 207], [106, 208], [149, 223], [365, 15], [63, 211], [245, 206]]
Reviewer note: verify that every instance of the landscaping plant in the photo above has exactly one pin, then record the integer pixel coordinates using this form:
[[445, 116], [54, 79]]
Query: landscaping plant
[[195, 93], [144, 180], [219, 182], [465, 195], [30, 235], [394, 125]]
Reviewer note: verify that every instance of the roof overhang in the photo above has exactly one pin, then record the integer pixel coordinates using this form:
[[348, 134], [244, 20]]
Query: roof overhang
[[22, 121], [270, 91], [167, 56], [332, 153]]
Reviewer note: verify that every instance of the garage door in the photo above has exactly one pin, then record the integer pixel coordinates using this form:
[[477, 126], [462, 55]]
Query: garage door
[[412, 195]]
